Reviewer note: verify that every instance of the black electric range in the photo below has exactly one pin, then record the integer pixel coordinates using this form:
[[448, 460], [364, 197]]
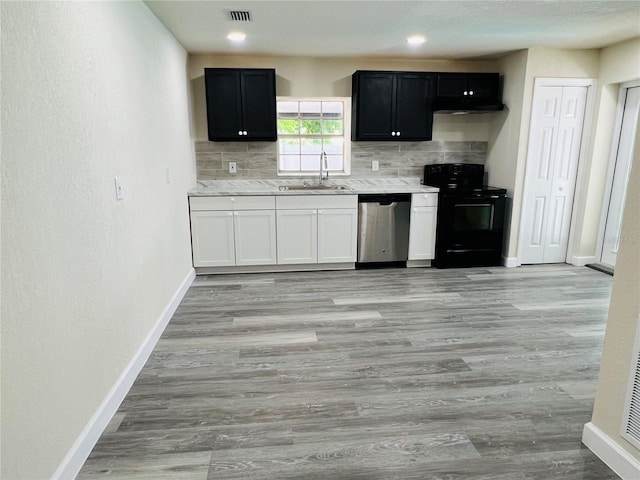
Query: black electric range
[[470, 223]]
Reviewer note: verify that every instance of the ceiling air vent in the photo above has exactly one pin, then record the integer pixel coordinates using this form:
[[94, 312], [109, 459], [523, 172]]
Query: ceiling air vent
[[239, 15]]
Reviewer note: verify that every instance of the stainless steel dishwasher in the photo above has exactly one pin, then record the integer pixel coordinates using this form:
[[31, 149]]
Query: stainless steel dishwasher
[[383, 227]]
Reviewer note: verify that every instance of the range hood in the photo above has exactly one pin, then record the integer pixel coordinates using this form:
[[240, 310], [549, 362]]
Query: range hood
[[457, 107]]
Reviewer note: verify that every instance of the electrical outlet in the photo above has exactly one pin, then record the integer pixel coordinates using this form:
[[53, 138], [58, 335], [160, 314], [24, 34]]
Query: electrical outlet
[[375, 165], [119, 190], [232, 167]]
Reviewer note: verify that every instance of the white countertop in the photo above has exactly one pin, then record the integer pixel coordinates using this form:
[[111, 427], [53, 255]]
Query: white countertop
[[206, 188]]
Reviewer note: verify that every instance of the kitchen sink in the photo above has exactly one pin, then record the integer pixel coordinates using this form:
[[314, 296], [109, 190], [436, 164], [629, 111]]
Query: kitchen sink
[[305, 186]]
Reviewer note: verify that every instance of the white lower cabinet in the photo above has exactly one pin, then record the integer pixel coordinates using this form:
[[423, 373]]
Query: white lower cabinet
[[212, 239], [297, 236], [422, 231], [317, 229], [337, 235], [255, 237], [230, 231]]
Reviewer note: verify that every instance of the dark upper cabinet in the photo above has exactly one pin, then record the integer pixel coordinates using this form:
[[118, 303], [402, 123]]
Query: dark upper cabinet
[[241, 104], [391, 106], [472, 91]]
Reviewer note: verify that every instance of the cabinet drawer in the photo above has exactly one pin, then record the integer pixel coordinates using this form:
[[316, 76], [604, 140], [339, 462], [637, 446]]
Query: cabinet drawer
[[254, 203], [233, 203], [294, 202], [424, 200]]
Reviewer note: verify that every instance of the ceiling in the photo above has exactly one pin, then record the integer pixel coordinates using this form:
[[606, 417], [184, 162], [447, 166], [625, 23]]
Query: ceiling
[[454, 29]]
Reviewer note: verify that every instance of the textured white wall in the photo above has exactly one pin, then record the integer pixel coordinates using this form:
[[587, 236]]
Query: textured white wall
[[89, 91], [505, 126]]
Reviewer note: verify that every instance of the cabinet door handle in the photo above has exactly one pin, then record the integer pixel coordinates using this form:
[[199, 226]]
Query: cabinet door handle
[[397, 134], [471, 92], [239, 132], [466, 93], [244, 132], [393, 134]]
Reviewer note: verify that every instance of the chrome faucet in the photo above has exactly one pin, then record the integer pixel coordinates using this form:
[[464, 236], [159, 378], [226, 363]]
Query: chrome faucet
[[324, 168]]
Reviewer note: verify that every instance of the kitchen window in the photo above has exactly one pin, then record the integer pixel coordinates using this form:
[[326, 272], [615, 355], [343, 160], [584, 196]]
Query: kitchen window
[[311, 130]]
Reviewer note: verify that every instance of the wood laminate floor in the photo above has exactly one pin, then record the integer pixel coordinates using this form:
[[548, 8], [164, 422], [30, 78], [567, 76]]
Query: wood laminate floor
[[484, 373]]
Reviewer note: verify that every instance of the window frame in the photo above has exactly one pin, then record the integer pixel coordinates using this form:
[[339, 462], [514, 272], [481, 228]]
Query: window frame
[[346, 137]]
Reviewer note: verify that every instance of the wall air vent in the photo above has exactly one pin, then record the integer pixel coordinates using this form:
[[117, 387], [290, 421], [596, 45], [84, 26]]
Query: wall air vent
[[239, 15], [631, 425]]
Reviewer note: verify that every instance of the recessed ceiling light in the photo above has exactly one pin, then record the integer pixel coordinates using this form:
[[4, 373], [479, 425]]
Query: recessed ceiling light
[[236, 36], [416, 39]]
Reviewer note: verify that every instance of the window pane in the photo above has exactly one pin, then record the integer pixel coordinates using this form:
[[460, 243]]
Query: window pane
[[332, 127], [310, 162], [310, 127], [310, 109], [311, 146], [332, 110], [289, 146], [334, 162], [332, 146], [290, 162], [289, 127], [288, 109]]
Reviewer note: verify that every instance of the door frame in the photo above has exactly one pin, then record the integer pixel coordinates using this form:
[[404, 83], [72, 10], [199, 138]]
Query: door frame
[[611, 167], [581, 187]]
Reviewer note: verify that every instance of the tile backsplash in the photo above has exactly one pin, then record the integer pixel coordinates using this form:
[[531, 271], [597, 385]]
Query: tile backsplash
[[396, 159]]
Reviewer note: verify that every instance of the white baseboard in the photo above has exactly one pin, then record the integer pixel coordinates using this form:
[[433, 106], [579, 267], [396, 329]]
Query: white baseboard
[[298, 267], [77, 455], [510, 262], [605, 448], [582, 261]]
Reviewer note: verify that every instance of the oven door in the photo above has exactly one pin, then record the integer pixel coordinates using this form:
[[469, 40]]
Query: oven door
[[470, 230]]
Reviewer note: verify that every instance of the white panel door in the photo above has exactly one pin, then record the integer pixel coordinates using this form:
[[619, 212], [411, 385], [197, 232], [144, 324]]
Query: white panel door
[[337, 234], [255, 237], [422, 233], [557, 120], [212, 239], [624, 156], [297, 232]]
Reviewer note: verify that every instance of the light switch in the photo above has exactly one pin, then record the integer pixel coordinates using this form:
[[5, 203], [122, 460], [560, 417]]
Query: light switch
[[119, 190], [375, 165]]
